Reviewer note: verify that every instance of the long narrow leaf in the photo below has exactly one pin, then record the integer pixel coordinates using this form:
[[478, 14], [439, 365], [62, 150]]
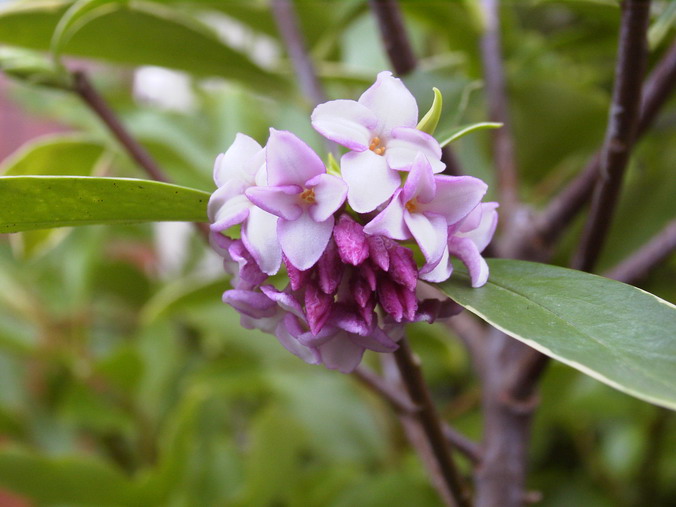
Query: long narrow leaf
[[611, 331], [41, 202]]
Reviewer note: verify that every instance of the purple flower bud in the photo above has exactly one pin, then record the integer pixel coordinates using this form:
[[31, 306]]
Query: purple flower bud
[[351, 241], [250, 275], [402, 267], [388, 296], [297, 277], [330, 269], [367, 273], [378, 246], [317, 307]]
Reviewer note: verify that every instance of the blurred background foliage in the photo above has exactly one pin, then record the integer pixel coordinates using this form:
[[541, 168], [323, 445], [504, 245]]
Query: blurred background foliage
[[124, 379]]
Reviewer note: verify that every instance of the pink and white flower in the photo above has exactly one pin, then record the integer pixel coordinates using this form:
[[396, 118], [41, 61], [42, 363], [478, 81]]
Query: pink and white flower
[[379, 129], [425, 207], [301, 194]]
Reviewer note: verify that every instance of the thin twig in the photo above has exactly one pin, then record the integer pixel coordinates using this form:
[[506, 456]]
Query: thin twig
[[86, 91], [640, 263], [621, 132], [398, 400], [412, 377], [289, 27], [83, 87], [496, 95], [403, 405], [551, 223], [394, 36]]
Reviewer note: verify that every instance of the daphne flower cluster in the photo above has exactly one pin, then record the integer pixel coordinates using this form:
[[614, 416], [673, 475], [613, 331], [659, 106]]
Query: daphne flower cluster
[[327, 262]]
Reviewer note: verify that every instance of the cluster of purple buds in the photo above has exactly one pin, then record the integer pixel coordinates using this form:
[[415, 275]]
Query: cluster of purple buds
[[325, 260]]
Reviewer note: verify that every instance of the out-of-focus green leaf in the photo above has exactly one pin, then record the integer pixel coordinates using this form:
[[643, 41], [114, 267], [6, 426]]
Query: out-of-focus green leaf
[[614, 332], [135, 33], [67, 481], [660, 28], [273, 460], [32, 68], [61, 154], [429, 122], [456, 133], [39, 202]]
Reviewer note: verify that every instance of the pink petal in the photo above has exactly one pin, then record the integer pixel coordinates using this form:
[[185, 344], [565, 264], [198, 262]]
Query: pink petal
[[289, 160], [340, 353], [430, 232], [225, 214], [456, 196], [251, 303], [291, 343], [286, 301], [282, 201], [406, 143], [351, 241], [259, 234], [392, 103], [390, 221], [240, 162], [420, 183], [482, 234], [370, 181], [439, 272], [304, 240], [330, 192], [346, 122], [377, 340], [465, 250]]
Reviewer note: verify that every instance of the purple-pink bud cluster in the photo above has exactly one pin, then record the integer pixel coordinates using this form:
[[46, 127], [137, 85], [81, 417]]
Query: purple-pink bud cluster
[[346, 241]]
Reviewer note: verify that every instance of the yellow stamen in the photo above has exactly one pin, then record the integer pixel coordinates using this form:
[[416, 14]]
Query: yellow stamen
[[376, 146], [412, 205], [308, 195]]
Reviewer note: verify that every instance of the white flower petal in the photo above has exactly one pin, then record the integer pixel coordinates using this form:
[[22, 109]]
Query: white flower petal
[[369, 181]]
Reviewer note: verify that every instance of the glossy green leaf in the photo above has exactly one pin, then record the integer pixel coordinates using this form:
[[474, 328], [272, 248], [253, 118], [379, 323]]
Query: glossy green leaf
[[611, 331], [77, 156], [456, 133], [429, 122], [133, 33], [40, 202]]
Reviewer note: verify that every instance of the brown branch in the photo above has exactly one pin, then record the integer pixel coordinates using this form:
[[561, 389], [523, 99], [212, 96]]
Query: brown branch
[[551, 223], [86, 91], [394, 36], [403, 405], [412, 377], [289, 27], [621, 132], [640, 263], [83, 87], [496, 95], [397, 400]]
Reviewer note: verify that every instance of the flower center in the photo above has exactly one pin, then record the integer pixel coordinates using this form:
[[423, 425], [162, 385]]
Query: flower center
[[377, 146], [412, 205], [308, 196]]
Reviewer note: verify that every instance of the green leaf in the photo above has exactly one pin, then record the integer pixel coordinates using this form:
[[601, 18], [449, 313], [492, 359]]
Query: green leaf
[[40, 202], [429, 122], [77, 156], [132, 33], [33, 68], [456, 133], [614, 332], [66, 481]]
